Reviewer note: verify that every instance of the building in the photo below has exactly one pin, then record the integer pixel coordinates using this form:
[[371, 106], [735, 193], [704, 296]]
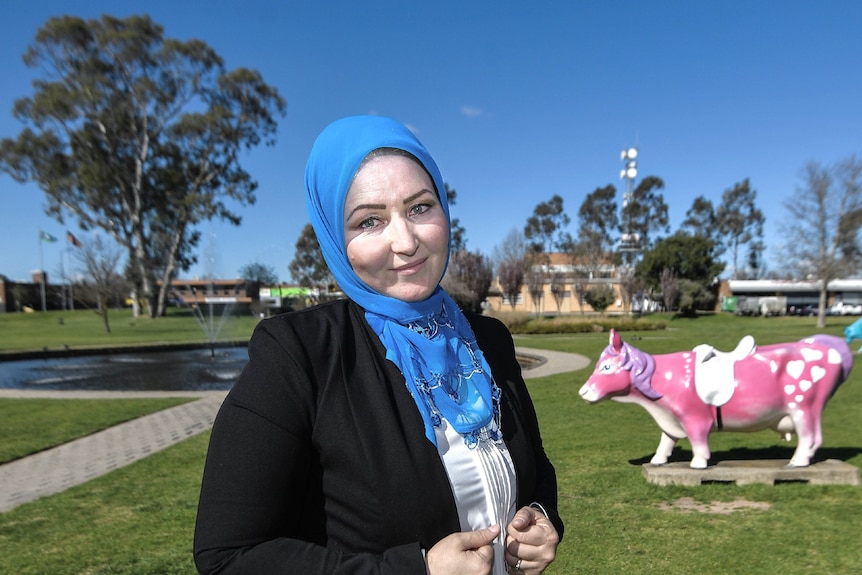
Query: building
[[27, 296], [559, 288], [799, 295], [198, 291]]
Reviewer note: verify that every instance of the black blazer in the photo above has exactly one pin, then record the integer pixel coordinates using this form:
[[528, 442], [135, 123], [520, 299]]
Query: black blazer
[[318, 460]]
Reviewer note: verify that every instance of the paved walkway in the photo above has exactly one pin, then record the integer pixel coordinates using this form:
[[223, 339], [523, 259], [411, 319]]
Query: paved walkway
[[54, 470]]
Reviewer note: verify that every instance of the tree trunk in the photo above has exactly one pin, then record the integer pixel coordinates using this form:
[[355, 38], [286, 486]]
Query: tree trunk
[[103, 311], [821, 309], [169, 270]]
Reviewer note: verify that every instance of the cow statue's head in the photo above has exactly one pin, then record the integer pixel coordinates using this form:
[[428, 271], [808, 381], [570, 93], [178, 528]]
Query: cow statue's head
[[620, 367]]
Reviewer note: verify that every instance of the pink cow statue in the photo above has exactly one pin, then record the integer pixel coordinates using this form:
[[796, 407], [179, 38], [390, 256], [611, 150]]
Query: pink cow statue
[[692, 393]]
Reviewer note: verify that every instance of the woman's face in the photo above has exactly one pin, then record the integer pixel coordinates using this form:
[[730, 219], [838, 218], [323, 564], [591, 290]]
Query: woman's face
[[395, 228]]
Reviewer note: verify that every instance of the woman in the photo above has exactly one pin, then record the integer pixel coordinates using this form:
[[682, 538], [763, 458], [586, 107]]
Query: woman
[[385, 433]]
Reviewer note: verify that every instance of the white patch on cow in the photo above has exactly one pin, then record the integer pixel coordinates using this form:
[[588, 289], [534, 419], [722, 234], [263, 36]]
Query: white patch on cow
[[817, 373], [773, 366], [809, 354], [789, 389], [834, 357], [798, 398], [795, 368], [804, 385]]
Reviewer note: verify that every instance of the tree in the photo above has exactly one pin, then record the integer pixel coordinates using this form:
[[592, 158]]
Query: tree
[[255, 275], [308, 267], [694, 296], [630, 286], [823, 223], [468, 279], [669, 288], [139, 135], [99, 261], [510, 258], [545, 229], [701, 220], [545, 233], [739, 221], [689, 257], [535, 279], [598, 222], [600, 297], [646, 213], [457, 231]]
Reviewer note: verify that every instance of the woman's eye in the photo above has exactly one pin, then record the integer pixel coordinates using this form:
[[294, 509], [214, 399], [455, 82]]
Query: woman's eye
[[367, 224], [419, 209]]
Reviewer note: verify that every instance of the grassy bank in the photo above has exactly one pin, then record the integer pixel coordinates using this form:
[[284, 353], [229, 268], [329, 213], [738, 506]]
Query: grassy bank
[[139, 520], [28, 426], [79, 329]]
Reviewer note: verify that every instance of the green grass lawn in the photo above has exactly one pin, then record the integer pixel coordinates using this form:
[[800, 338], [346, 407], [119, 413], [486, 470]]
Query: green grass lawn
[[139, 519]]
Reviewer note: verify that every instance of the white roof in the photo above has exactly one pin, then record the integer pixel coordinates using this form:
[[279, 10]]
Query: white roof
[[788, 286]]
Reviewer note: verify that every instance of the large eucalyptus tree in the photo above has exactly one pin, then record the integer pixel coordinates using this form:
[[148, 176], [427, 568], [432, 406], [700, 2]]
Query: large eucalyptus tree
[[139, 135]]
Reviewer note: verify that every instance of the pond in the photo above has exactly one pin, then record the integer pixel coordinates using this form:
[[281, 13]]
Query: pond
[[166, 370], [172, 370]]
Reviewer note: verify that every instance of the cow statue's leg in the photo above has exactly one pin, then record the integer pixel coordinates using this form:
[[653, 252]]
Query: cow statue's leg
[[698, 435], [664, 449], [808, 436]]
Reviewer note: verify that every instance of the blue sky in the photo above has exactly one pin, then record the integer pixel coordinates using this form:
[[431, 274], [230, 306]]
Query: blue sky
[[517, 101]]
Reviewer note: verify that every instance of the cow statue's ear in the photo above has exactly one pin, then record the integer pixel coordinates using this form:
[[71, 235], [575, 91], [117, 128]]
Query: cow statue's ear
[[615, 340]]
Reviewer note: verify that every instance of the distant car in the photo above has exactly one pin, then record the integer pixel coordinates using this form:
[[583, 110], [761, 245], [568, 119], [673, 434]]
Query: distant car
[[841, 308]]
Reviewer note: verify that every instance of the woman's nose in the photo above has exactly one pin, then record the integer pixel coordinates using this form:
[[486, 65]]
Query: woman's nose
[[402, 237]]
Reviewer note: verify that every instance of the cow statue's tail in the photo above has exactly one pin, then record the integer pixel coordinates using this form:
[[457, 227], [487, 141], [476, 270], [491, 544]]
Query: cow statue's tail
[[842, 348]]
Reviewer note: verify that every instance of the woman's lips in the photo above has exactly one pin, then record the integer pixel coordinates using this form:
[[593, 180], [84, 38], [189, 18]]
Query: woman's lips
[[409, 268]]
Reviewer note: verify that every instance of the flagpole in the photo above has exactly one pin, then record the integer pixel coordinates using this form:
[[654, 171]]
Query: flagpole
[[42, 273], [71, 285]]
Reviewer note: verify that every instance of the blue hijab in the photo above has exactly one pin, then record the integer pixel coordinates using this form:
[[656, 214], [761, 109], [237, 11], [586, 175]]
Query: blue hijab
[[430, 341]]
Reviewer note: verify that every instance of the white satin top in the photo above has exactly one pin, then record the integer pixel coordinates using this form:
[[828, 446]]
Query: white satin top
[[483, 482]]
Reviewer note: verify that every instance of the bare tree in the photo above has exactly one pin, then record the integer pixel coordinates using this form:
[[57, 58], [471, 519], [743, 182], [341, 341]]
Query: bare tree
[[468, 279], [630, 286], [536, 285], [669, 288], [102, 282], [509, 258], [824, 217]]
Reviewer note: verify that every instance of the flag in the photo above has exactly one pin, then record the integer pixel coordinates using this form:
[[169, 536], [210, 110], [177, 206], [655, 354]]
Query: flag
[[72, 239], [46, 237]]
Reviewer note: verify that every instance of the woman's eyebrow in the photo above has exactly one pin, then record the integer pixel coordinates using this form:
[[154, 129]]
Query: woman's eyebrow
[[417, 194], [365, 207]]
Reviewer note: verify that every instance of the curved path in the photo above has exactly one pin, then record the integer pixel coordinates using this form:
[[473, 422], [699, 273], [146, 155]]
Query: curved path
[[56, 469]]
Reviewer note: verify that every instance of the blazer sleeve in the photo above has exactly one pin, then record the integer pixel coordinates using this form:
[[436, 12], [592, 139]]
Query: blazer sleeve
[[254, 499]]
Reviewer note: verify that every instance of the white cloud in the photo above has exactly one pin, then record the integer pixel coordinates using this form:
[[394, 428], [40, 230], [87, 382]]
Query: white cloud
[[471, 111]]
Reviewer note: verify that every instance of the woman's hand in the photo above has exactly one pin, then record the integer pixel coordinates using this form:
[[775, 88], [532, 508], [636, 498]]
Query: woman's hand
[[531, 542], [467, 553]]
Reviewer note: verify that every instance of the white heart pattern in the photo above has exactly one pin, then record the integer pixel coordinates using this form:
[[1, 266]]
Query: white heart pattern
[[804, 385], [809, 354], [795, 368], [789, 389], [817, 373]]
